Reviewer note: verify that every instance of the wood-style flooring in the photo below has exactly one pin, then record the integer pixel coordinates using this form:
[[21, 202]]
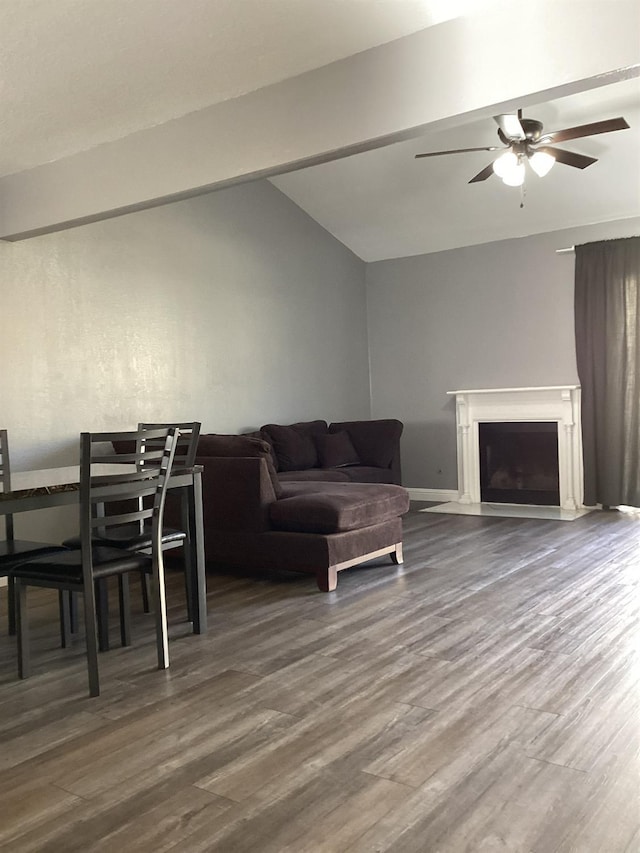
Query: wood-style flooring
[[482, 697]]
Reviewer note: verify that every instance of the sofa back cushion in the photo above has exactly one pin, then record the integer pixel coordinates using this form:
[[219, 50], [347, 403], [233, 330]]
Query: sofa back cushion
[[242, 446], [376, 442], [336, 450], [294, 444]]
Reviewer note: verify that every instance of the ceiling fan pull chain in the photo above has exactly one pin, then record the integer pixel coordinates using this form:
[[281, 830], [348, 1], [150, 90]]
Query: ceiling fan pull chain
[[523, 192]]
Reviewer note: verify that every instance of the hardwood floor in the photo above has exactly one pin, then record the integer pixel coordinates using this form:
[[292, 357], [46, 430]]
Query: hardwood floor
[[482, 697]]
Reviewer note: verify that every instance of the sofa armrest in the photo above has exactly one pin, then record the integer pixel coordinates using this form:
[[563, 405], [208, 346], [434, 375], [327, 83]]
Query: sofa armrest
[[376, 442], [236, 493]]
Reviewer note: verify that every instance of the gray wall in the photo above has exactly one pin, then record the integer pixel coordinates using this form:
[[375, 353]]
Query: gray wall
[[490, 316], [235, 309]]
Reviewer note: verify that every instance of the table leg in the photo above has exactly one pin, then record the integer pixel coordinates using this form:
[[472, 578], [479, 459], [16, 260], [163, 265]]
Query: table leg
[[199, 578], [187, 550]]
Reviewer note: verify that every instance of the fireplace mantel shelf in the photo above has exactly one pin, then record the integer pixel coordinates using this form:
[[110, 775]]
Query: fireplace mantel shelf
[[518, 390], [559, 403]]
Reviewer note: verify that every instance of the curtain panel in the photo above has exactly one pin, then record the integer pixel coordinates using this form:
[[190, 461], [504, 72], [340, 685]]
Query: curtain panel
[[607, 327]]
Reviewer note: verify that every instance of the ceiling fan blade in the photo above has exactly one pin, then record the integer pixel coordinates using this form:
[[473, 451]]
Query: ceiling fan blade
[[457, 151], [586, 130], [483, 175], [510, 126], [569, 158]]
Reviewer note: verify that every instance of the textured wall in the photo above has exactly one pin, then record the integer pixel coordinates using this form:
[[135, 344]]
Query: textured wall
[[234, 309], [491, 316]]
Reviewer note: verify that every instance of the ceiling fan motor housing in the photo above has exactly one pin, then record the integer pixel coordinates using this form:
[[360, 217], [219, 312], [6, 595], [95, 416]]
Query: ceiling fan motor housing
[[532, 129]]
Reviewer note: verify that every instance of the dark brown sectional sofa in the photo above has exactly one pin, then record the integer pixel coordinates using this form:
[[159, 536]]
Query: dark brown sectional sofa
[[255, 519], [305, 497]]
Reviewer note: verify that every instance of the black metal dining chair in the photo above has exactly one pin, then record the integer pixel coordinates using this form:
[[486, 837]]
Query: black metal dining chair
[[137, 537], [186, 449], [141, 474], [14, 551]]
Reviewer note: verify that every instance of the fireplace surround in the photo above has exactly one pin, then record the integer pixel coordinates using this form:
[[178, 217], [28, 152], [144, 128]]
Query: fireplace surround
[[557, 404]]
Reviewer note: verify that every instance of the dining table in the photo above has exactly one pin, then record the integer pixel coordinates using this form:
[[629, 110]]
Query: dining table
[[42, 489]]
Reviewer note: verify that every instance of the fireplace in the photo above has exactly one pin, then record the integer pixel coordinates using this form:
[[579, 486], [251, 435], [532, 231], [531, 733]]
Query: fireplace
[[519, 463], [494, 425]]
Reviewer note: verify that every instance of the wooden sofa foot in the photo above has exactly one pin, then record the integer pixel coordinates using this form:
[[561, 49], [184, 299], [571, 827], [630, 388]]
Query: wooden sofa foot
[[396, 556], [327, 579]]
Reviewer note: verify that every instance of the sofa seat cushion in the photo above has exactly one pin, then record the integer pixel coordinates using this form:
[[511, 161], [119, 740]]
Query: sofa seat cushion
[[314, 475], [336, 507]]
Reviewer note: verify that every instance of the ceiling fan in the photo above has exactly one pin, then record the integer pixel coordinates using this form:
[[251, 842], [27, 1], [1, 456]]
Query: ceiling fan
[[526, 143]]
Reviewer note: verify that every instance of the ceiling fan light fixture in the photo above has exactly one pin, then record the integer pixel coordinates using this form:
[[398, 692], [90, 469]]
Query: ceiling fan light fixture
[[541, 162]]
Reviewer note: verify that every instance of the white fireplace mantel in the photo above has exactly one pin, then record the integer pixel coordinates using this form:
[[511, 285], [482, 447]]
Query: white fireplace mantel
[[559, 403]]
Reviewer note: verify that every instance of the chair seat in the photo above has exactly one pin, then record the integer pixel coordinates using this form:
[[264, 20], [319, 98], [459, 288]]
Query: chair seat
[[66, 566], [125, 539], [18, 550]]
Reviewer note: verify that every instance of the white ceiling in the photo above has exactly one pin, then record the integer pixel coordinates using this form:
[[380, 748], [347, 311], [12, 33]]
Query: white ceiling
[[77, 73]]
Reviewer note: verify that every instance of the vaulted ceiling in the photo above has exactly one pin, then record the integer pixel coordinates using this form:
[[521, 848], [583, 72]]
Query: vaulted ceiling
[[110, 105]]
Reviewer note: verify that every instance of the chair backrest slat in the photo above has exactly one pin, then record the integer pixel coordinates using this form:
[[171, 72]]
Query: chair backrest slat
[[5, 480], [187, 445]]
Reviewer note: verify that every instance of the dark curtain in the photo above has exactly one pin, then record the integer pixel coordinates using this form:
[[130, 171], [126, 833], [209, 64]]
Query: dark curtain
[[607, 319]]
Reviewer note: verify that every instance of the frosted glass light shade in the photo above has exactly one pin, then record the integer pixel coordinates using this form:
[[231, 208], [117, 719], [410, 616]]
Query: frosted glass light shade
[[505, 163], [515, 176], [541, 163]]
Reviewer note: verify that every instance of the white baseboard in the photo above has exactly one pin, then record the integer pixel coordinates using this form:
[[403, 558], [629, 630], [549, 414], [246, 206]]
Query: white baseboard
[[437, 495]]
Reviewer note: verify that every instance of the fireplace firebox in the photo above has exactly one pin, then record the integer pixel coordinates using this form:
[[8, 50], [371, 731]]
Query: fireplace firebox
[[519, 463]]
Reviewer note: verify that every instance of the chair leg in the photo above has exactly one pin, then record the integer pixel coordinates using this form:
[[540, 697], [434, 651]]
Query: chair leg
[[64, 606], [22, 630], [144, 588], [91, 635], [11, 605], [101, 593], [160, 611], [73, 611], [188, 581], [125, 609]]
